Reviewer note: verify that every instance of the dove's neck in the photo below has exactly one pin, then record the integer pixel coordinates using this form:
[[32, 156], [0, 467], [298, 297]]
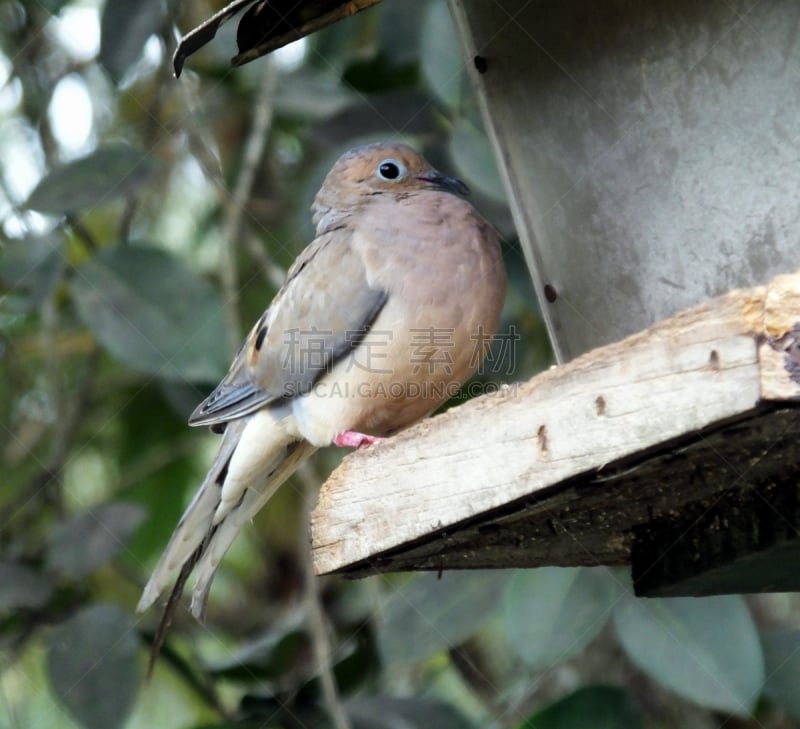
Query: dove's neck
[[329, 218], [332, 210]]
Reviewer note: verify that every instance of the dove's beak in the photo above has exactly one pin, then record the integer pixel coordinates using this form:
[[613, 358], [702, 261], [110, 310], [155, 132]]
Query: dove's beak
[[442, 182]]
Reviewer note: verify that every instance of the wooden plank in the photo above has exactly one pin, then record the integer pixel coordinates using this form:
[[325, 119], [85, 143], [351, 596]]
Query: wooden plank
[[597, 517], [530, 442], [779, 349], [745, 542]]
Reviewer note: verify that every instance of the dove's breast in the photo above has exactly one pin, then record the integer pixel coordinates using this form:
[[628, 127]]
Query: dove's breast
[[441, 266]]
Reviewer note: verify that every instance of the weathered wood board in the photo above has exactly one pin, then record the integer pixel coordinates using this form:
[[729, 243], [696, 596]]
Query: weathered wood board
[[565, 468]]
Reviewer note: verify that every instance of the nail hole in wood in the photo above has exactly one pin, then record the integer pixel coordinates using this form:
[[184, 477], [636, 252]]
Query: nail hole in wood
[[541, 437], [600, 405]]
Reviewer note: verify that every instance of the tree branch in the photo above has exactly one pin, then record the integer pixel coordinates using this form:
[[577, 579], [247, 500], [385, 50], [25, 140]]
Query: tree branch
[[82, 232], [320, 638], [253, 152]]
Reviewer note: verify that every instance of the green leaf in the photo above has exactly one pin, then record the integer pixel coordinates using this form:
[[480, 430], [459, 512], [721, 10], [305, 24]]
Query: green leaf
[[125, 27], [31, 268], [269, 656], [23, 588], [378, 75], [782, 662], [93, 666], [384, 712], [153, 313], [705, 649], [91, 540], [107, 174], [598, 707], [334, 47], [428, 613], [311, 95], [442, 57], [474, 160], [53, 6], [367, 119], [552, 613], [400, 31], [158, 455]]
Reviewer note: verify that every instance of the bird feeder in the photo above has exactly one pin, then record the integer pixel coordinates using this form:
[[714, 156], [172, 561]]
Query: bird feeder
[[649, 152]]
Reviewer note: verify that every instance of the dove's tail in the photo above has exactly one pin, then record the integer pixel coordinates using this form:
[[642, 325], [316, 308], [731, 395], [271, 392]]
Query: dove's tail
[[256, 456]]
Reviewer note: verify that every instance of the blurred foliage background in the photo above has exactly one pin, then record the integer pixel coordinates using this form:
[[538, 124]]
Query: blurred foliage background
[[146, 222]]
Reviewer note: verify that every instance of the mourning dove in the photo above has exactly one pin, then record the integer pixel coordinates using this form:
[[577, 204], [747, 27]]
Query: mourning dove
[[380, 320]]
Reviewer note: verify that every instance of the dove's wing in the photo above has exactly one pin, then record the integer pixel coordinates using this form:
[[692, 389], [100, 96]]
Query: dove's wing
[[321, 313]]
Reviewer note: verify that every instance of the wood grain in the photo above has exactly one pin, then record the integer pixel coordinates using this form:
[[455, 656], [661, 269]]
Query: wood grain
[[616, 405]]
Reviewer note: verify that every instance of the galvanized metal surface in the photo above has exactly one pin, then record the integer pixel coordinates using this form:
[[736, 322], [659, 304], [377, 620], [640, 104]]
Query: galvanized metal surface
[[651, 150]]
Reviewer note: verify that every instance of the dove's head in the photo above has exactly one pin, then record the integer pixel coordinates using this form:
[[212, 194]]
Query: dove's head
[[377, 169]]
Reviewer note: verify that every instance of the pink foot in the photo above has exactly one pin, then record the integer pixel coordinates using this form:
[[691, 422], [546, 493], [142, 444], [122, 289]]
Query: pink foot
[[352, 439]]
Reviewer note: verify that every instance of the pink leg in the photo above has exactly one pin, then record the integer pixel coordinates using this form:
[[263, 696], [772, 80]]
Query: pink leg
[[352, 439]]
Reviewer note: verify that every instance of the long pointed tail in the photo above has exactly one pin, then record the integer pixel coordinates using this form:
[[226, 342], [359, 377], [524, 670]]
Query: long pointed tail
[[250, 503], [255, 457]]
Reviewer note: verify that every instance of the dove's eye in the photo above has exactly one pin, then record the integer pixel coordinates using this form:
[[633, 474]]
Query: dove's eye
[[391, 169]]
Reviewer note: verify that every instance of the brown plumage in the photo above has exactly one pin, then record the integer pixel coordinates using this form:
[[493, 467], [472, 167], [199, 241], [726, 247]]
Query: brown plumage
[[381, 318]]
